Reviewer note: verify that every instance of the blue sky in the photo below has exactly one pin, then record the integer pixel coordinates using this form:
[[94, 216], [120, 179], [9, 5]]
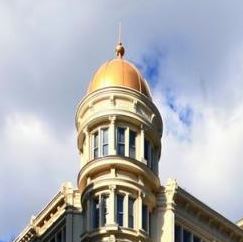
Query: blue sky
[[191, 53]]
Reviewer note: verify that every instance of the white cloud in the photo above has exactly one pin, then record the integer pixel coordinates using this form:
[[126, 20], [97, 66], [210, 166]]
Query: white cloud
[[208, 164], [34, 163]]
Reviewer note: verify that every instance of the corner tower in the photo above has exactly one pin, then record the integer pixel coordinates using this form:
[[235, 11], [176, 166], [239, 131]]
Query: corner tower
[[119, 139]]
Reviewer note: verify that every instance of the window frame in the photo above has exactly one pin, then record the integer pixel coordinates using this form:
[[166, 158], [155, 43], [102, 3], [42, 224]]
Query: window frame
[[98, 132], [120, 214], [132, 147], [95, 146], [145, 217], [131, 216], [150, 158], [121, 143], [102, 142]]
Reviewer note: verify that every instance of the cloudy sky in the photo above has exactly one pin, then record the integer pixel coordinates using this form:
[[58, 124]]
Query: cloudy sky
[[191, 53]]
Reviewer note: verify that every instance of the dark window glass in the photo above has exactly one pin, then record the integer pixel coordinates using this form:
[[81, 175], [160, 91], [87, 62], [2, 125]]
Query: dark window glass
[[186, 236], [131, 212], [196, 239], [105, 144], [59, 236], [150, 225], [64, 234], [121, 141], [96, 145], [104, 199], [132, 144], [147, 152], [96, 209], [120, 200], [152, 159], [145, 217], [177, 233]]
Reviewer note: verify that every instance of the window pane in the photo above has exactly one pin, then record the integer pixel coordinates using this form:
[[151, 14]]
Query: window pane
[[148, 152], [121, 135], [177, 233], [121, 141], [146, 149], [96, 139], [64, 234], [150, 225], [104, 199], [196, 239], [131, 212], [152, 159], [121, 149], [96, 152], [96, 145], [96, 213], [105, 150], [144, 217], [105, 136], [120, 199], [59, 236], [132, 144], [186, 236], [105, 145]]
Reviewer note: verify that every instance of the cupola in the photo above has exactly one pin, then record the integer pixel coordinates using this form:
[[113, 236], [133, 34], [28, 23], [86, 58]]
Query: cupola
[[119, 72]]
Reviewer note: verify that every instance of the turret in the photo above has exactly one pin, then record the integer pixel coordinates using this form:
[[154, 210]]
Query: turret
[[119, 140]]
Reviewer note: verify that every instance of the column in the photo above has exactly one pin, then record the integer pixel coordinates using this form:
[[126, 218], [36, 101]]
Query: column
[[125, 212], [88, 145], [142, 144], [112, 201], [69, 225], [127, 130], [139, 210], [112, 136], [89, 214]]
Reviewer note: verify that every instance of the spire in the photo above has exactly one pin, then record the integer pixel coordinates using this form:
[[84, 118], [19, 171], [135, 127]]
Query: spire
[[120, 50]]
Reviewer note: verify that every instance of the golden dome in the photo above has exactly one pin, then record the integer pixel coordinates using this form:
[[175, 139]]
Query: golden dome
[[119, 73]]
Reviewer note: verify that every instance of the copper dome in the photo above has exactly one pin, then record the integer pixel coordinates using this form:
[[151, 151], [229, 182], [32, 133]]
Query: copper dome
[[119, 73]]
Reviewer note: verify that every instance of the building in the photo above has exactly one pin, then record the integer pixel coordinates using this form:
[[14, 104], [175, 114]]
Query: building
[[119, 196]]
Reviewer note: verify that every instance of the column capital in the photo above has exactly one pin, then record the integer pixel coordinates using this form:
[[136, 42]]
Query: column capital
[[86, 130], [112, 187], [112, 119]]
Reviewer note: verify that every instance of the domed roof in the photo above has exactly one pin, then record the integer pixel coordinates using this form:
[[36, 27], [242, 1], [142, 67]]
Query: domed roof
[[119, 73]]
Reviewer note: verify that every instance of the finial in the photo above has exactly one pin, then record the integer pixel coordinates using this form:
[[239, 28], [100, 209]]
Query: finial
[[120, 50]]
